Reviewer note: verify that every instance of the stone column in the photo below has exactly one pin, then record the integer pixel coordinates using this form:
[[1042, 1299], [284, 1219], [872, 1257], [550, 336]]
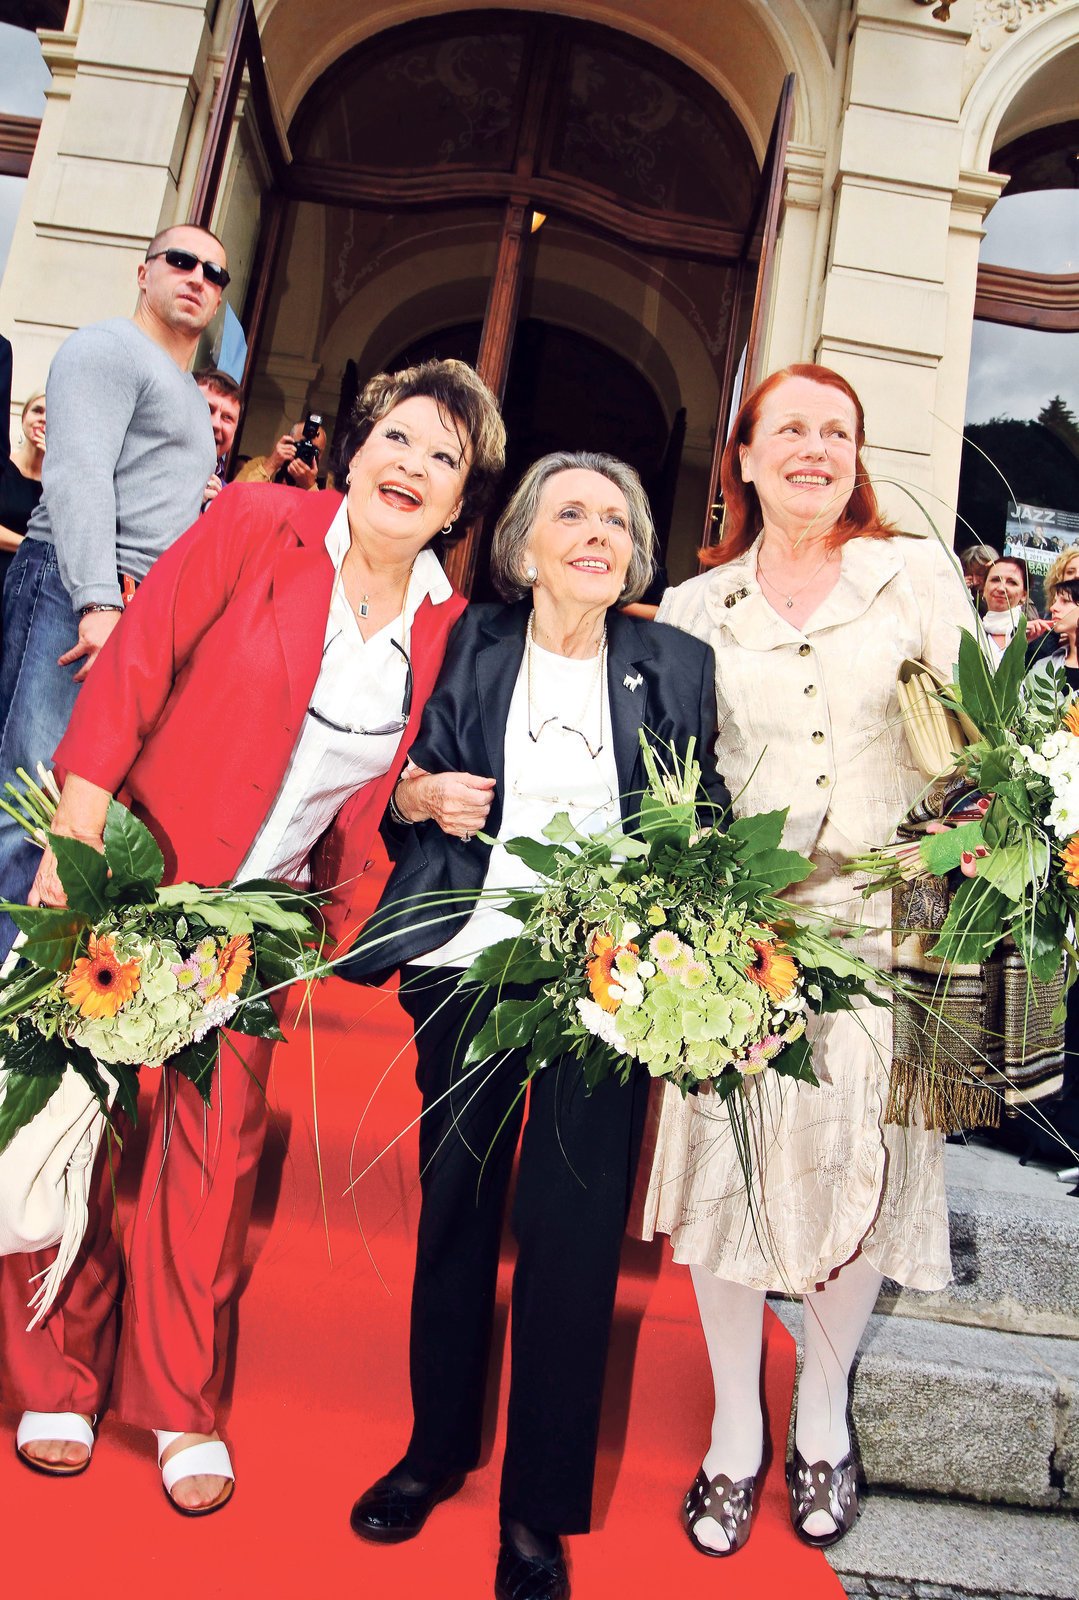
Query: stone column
[[899, 291], [117, 143]]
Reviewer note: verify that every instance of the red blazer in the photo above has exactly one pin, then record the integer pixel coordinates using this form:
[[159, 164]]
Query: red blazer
[[197, 700]]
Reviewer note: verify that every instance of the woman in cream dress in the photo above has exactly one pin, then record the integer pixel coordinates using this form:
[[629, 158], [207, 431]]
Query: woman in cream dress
[[812, 604]]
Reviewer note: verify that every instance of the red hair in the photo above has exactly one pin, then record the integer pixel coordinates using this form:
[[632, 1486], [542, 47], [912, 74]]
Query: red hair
[[742, 519]]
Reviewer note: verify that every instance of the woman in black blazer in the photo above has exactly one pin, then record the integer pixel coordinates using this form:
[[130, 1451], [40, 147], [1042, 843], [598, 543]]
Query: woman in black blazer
[[539, 709]]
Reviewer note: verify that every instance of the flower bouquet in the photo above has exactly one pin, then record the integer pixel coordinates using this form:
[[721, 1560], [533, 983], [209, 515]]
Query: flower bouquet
[[1019, 855], [129, 973], [670, 946]]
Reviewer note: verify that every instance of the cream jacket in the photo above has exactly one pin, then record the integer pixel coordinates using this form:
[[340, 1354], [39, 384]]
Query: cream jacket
[[809, 719]]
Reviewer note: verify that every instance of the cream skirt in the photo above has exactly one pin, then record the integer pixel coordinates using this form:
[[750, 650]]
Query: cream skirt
[[827, 1176]]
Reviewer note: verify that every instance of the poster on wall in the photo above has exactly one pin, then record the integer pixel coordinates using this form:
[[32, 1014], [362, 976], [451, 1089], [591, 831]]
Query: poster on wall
[[1037, 535]]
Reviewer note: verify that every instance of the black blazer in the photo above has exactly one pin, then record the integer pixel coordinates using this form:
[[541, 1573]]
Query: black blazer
[[464, 728]]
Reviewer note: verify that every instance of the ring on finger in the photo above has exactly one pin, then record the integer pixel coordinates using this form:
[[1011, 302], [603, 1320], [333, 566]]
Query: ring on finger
[[465, 837]]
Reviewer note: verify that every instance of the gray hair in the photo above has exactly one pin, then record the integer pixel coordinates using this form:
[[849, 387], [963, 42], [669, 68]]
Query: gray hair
[[514, 527]]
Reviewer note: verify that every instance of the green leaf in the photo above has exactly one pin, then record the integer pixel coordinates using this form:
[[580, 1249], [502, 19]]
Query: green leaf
[[35, 1054], [127, 1089], [513, 960], [976, 922], [24, 1097], [995, 767], [84, 873], [776, 869], [132, 853], [510, 1025], [542, 858], [197, 1063], [282, 958], [976, 686], [1011, 868], [796, 1061], [762, 832], [256, 1017], [942, 852], [52, 935], [548, 1043]]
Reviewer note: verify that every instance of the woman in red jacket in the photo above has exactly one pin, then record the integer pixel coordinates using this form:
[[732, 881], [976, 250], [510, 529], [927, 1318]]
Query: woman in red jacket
[[255, 707]]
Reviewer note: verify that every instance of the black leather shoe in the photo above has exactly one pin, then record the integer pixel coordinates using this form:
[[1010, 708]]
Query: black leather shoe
[[389, 1514], [519, 1577]]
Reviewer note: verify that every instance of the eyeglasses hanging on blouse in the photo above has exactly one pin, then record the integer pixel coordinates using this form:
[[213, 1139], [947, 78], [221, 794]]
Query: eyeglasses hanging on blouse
[[398, 725]]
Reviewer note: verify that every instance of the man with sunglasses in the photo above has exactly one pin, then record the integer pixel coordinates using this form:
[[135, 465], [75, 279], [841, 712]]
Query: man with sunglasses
[[130, 450]]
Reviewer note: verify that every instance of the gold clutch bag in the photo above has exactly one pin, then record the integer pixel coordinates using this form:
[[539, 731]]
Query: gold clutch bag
[[937, 734]]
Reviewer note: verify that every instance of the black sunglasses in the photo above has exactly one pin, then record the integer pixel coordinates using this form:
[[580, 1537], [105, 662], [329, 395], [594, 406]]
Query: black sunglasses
[[398, 725], [187, 261]]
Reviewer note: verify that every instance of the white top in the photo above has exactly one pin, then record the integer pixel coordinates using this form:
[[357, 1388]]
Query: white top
[[551, 773], [361, 684]]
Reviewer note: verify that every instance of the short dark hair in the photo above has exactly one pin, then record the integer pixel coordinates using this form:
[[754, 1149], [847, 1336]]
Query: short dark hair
[[219, 382], [461, 395], [157, 242]]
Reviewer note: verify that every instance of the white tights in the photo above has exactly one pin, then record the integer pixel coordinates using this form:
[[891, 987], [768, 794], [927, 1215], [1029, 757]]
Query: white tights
[[732, 1317]]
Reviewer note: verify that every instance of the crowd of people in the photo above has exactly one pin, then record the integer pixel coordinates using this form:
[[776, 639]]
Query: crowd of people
[[135, 580]]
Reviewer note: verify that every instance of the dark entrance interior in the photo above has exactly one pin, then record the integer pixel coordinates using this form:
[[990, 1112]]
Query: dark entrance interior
[[564, 391]]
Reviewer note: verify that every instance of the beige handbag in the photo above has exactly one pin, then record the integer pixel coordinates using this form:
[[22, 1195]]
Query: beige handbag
[[937, 734], [45, 1177]]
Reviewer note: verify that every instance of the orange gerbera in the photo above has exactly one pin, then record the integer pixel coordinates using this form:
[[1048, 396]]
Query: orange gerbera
[[1070, 857], [232, 963], [100, 983], [773, 968], [601, 973], [1071, 717]]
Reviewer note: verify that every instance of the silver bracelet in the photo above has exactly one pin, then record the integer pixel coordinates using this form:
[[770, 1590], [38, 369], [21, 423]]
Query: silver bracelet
[[396, 814], [87, 609]]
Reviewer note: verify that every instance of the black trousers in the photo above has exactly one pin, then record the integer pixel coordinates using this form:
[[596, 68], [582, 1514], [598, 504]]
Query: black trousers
[[575, 1179]]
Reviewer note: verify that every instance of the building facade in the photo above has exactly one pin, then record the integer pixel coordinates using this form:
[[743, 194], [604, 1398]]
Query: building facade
[[622, 212]]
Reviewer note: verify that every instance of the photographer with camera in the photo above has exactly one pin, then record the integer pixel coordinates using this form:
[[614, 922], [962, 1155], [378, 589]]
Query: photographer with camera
[[294, 459]]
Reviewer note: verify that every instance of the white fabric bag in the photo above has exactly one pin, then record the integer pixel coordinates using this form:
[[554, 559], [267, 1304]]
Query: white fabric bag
[[45, 1177]]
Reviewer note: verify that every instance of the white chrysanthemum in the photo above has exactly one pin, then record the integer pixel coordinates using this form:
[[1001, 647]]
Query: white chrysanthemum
[[603, 1025]]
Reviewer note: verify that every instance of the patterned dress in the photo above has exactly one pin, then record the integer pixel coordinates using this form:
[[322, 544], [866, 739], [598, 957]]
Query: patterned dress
[[808, 719]]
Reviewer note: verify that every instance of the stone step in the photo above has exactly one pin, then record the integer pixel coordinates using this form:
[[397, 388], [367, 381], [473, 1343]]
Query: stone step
[[948, 1409], [909, 1548], [1015, 1249]]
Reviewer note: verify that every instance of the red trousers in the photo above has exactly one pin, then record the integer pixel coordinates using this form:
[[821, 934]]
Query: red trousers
[[184, 1253]]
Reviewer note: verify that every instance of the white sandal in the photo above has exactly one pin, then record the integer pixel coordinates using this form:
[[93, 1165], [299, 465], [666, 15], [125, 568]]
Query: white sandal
[[210, 1459], [67, 1426]]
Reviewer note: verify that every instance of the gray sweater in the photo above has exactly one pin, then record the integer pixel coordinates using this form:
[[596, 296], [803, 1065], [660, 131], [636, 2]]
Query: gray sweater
[[129, 451]]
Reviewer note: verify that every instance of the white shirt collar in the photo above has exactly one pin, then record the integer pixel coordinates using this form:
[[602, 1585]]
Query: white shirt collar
[[428, 579]]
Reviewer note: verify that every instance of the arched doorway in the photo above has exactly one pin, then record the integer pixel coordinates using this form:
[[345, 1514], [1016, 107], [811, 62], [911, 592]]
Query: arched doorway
[[586, 201], [564, 390]]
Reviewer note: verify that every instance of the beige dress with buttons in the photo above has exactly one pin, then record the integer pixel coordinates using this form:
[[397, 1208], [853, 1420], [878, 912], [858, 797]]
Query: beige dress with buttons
[[808, 719]]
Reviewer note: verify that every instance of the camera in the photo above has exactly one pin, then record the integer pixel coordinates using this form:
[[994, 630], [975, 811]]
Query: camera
[[306, 448]]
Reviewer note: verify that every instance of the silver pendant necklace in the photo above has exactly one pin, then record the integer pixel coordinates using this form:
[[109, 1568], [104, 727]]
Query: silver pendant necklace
[[789, 598]]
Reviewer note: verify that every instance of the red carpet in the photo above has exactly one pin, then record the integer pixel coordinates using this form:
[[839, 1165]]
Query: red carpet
[[317, 1397]]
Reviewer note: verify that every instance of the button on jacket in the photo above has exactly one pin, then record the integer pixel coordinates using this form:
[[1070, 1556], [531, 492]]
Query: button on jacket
[[845, 755]]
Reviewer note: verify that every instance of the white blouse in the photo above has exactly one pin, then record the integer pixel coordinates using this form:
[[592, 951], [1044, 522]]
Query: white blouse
[[361, 684], [550, 772]]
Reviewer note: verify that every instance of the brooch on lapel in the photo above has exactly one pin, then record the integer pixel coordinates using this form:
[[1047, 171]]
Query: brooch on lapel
[[632, 683], [733, 599]]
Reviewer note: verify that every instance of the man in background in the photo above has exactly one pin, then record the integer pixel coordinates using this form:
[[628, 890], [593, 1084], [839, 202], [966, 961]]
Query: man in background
[[283, 460], [225, 399], [130, 450]]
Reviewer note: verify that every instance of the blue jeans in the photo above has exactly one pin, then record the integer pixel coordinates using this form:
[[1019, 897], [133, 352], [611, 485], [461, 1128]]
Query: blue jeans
[[36, 697]]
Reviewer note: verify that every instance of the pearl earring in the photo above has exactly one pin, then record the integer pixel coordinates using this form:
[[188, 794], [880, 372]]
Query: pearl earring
[[531, 574]]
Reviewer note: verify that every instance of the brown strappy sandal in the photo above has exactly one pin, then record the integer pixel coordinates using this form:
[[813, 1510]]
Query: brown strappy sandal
[[730, 1504], [822, 1487]]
